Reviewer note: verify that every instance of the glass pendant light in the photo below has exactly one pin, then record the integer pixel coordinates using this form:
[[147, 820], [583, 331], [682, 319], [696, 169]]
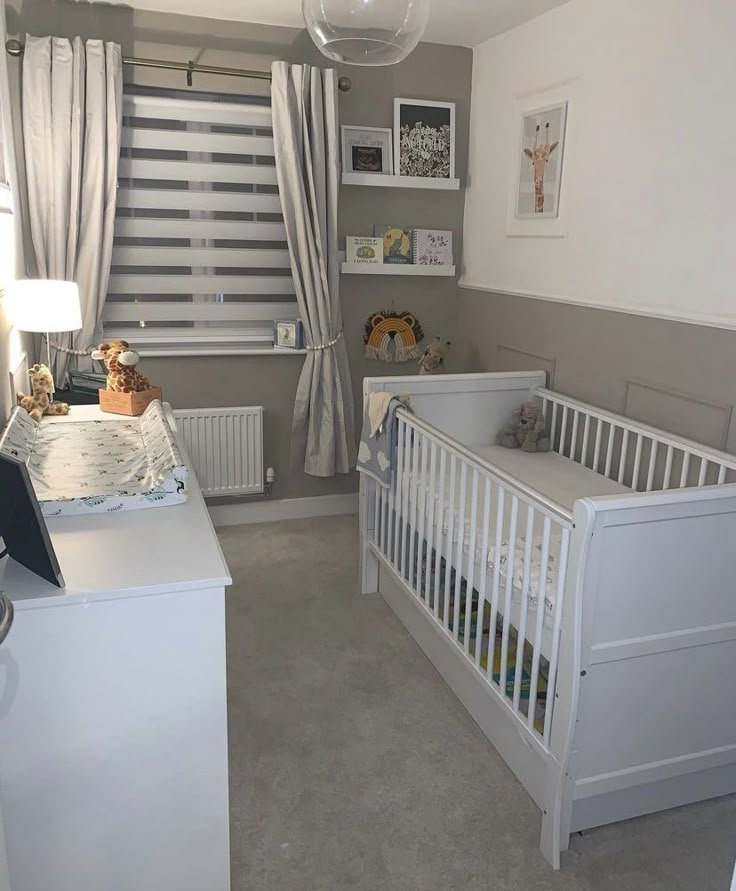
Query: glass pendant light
[[366, 32]]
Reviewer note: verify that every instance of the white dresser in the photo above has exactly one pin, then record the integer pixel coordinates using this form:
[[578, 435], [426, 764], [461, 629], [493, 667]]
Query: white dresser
[[113, 720]]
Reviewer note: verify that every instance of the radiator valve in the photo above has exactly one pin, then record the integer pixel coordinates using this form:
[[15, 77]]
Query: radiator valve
[[270, 479]]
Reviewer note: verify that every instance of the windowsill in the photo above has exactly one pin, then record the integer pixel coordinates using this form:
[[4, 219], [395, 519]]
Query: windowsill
[[161, 351]]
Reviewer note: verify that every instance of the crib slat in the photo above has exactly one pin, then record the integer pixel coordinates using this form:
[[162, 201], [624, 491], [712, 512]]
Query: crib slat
[[541, 610], [498, 540], [459, 550], [431, 520], [395, 486], [668, 468], [637, 461], [609, 449], [685, 469], [384, 520], [597, 444], [423, 482], [563, 431], [483, 572], [624, 455], [703, 472], [413, 505], [376, 513], [448, 544], [524, 606], [440, 532], [652, 464], [399, 490], [471, 561], [554, 655], [407, 485], [574, 436], [553, 427], [508, 593], [586, 437]]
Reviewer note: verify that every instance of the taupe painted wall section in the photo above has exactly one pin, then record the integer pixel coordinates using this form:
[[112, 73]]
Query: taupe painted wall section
[[669, 374], [431, 72]]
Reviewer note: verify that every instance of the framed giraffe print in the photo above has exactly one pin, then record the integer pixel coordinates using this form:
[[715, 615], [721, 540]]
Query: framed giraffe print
[[540, 162]]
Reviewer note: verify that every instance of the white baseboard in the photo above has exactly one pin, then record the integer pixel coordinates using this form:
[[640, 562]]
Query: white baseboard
[[283, 509]]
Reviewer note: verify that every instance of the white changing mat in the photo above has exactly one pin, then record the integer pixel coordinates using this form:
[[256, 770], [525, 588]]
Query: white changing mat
[[101, 465]]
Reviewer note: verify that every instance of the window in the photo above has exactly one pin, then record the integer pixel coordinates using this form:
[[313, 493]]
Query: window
[[200, 263]]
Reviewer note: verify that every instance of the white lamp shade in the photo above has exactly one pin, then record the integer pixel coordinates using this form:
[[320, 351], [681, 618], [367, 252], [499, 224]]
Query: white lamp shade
[[42, 304]]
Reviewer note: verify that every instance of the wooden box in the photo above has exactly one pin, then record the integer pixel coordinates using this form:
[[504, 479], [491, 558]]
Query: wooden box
[[128, 403]]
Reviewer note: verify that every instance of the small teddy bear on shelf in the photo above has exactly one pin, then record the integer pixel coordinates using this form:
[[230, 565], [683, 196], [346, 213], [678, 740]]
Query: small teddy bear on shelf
[[434, 357], [526, 430], [120, 362], [42, 389]]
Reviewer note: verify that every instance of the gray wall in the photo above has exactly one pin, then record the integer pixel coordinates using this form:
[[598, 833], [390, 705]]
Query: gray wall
[[432, 72], [670, 374]]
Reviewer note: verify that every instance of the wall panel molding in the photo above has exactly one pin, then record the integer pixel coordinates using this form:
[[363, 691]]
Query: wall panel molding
[[529, 362], [692, 416], [652, 312]]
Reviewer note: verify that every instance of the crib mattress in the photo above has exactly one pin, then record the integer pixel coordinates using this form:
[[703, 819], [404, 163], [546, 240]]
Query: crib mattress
[[99, 466], [554, 477]]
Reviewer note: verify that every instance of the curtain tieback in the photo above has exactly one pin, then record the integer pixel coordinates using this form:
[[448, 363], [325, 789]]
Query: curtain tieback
[[325, 346]]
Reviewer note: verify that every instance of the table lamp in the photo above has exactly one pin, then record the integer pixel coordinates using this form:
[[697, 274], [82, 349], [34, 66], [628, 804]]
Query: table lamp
[[44, 306]]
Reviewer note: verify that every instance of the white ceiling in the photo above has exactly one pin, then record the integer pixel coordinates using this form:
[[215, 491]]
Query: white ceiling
[[456, 22]]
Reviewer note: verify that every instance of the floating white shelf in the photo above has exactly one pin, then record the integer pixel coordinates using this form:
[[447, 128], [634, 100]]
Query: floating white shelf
[[399, 182], [396, 269]]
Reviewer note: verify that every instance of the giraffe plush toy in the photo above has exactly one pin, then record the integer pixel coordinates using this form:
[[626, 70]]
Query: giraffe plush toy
[[120, 362], [42, 389]]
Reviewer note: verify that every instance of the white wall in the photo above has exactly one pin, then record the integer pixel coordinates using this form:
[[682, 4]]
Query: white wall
[[648, 205]]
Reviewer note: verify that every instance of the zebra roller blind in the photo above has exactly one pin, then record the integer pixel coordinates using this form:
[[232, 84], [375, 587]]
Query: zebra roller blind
[[200, 262]]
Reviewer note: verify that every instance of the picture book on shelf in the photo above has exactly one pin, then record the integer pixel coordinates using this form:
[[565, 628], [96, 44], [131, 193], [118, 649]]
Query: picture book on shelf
[[364, 250], [397, 244], [432, 247]]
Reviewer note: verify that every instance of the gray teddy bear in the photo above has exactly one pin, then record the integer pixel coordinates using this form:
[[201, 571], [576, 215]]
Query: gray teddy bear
[[526, 430]]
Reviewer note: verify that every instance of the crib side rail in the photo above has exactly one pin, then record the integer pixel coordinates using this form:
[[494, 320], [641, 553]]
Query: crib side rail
[[484, 557], [639, 456]]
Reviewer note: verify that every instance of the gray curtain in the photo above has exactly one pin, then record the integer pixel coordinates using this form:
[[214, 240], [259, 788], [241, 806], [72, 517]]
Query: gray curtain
[[305, 129], [72, 121], [14, 165]]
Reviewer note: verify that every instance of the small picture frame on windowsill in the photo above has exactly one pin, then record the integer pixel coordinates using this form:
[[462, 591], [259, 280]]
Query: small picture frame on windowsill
[[288, 335]]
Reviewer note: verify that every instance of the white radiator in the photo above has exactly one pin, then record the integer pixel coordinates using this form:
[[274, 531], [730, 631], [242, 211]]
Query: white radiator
[[226, 448]]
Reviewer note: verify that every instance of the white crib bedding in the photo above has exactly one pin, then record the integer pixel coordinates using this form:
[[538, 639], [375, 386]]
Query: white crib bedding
[[99, 466], [555, 477]]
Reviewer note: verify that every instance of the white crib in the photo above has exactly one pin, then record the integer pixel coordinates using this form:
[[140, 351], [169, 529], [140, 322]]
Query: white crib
[[580, 603]]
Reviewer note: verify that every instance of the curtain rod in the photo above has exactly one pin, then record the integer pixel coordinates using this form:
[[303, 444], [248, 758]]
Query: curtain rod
[[15, 48]]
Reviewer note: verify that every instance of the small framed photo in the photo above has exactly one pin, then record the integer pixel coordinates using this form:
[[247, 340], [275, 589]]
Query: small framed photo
[[424, 138], [288, 334], [367, 150]]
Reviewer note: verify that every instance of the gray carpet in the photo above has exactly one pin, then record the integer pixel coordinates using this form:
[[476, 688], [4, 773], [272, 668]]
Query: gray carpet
[[352, 765]]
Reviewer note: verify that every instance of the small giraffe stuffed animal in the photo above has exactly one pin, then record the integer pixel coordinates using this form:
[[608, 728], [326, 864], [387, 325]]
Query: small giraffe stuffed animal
[[120, 362], [42, 388]]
